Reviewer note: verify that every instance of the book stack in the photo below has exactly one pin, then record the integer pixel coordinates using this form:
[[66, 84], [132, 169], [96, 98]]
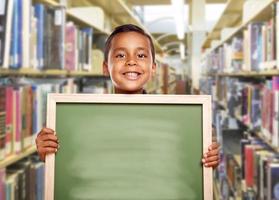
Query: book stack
[[254, 49], [23, 180], [23, 114], [260, 167], [41, 39]]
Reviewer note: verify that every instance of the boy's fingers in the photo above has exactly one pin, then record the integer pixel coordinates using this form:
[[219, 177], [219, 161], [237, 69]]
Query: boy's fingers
[[49, 144], [47, 150], [211, 159], [212, 164], [46, 131], [212, 153], [46, 137]]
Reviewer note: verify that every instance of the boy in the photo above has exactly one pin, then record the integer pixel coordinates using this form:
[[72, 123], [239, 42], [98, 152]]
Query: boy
[[130, 62]]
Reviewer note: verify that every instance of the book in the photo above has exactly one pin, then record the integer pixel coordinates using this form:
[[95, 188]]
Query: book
[[6, 13], [9, 120], [40, 15], [26, 32], [2, 183], [70, 46], [54, 37], [2, 122], [273, 181]]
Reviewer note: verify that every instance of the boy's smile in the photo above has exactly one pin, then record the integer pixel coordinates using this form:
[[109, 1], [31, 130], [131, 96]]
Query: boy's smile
[[130, 64]]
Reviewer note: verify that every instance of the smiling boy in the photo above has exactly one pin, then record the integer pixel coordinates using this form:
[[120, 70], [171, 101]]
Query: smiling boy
[[130, 63]]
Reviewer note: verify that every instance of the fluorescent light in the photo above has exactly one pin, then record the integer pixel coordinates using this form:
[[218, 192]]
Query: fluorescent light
[[182, 51], [179, 14]]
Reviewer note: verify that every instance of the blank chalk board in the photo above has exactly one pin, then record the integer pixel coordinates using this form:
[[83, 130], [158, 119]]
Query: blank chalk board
[[129, 147]]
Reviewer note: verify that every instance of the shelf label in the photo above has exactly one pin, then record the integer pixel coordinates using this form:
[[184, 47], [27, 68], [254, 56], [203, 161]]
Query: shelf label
[[58, 18]]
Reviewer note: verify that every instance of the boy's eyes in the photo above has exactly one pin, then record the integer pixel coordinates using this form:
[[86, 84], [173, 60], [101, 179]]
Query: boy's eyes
[[120, 55], [142, 55]]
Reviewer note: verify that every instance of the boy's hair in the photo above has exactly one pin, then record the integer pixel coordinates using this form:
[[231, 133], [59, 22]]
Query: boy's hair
[[128, 28]]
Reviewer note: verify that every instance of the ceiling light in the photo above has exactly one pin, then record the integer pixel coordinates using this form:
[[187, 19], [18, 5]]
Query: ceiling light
[[179, 14]]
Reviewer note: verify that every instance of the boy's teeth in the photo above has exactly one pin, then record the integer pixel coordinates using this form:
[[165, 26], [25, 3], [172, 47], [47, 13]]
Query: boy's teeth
[[132, 75]]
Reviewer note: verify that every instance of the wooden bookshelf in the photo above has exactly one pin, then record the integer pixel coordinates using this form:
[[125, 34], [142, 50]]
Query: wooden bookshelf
[[263, 14], [75, 18], [16, 157], [230, 17], [251, 74], [48, 73], [121, 12], [237, 158], [259, 134]]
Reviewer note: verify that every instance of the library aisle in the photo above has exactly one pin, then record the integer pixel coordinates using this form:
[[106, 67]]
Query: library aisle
[[228, 49]]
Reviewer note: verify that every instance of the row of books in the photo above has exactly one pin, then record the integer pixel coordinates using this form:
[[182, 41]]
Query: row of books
[[260, 168], [38, 37], [256, 176], [23, 180], [23, 114], [252, 50], [255, 104]]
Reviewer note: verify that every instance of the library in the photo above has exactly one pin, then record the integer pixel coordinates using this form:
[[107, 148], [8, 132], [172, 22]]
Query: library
[[181, 99]]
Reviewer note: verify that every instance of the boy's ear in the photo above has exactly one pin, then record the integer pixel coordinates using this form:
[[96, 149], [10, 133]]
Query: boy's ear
[[154, 68], [105, 69]]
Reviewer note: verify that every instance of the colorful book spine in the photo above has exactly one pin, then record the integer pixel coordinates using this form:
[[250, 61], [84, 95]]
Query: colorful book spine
[[40, 15], [9, 119], [2, 122], [70, 46]]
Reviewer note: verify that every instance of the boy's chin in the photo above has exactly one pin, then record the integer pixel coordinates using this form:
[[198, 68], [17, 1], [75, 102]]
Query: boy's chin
[[129, 90]]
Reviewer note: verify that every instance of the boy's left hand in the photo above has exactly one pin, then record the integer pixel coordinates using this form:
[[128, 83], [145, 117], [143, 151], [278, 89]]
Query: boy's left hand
[[211, 158]]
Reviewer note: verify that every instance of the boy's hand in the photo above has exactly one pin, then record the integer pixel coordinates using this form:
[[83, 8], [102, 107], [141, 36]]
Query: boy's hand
[[46, 143], [211, 158]]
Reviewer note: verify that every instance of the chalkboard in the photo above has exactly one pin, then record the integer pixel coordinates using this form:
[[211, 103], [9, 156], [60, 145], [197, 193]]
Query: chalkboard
[[129, 147]]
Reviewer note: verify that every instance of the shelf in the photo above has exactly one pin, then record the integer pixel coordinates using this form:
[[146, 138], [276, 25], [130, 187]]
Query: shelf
[[263, 14], [251, 74], [47, 73], [237, 158], [230, 17], [16, 157], [260, 135], [267, 141], [75, 18], [119, 11]]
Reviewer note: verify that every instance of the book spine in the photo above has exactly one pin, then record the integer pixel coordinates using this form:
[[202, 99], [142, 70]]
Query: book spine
[[9, 119], [25, 24], [40, 14], [8, 29]]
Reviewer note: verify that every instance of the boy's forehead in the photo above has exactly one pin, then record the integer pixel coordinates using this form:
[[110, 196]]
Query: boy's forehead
[[122, 40]]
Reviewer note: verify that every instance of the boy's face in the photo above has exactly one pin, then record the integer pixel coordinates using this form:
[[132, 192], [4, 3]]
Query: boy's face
[[130, 64]]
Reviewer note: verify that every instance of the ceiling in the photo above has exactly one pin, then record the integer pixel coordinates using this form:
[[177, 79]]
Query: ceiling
[[161, 2], [170, 42]]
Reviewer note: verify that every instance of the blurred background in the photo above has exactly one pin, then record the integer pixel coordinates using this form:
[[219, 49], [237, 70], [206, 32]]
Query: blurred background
[[224, 48]]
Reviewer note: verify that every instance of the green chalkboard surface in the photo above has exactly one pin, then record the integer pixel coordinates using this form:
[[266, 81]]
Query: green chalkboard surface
[[129, 151]]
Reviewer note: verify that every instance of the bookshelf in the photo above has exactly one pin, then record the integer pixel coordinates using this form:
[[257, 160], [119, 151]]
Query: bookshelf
[[78, 19], [251, 74], [246, 90], [121, 12], [16, 157], [231, 17], [262, 14], [48, 73]]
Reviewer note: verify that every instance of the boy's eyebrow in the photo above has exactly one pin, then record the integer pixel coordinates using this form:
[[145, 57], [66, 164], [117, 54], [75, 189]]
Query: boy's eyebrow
[[124, 49]]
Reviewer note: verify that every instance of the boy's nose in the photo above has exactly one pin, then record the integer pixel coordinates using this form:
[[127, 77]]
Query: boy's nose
[[131, 62]]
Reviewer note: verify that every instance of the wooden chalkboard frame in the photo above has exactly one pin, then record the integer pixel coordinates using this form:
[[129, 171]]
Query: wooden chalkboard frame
[[204, 100]]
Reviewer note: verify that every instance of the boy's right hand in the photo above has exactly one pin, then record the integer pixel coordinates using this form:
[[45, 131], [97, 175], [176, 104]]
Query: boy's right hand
[[46, 143]]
